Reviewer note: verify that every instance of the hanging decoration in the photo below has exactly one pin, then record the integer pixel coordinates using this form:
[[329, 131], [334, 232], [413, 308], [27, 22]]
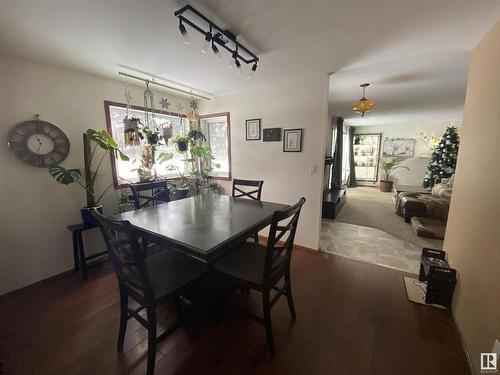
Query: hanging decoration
[[149, 114], [130, 122], [193, 115], [164, 103]]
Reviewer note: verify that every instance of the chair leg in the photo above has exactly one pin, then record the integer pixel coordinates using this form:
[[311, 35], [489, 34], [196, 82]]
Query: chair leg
[[256, 237], [123, 318], [267, 323], [151, 317], [289, 297]]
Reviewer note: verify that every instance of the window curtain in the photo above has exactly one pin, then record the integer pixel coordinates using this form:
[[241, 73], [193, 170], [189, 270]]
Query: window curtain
[[337, 155], [351, 181]]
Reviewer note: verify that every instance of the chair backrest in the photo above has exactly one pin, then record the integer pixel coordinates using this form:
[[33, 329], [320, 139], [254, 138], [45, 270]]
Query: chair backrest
[[239, 190], [150, 193], [280, 242], [126, 256]]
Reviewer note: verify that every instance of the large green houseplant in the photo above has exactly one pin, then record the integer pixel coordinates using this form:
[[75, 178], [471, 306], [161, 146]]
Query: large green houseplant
[[388, 165], [92, 141]]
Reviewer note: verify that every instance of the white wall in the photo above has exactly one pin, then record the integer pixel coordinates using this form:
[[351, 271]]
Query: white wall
[[417, 164], [472, 235], [297, 103], [35, 210]]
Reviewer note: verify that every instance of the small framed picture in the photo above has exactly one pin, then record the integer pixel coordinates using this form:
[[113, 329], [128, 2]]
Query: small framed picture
[[253, 129], [292, 140], [271, 135]]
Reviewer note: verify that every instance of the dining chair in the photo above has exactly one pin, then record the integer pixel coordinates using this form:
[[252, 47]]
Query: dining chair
[[261, 268], [241, 189], [150, 193], [151, 282]]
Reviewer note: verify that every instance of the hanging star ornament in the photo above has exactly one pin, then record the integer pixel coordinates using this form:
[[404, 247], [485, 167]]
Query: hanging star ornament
[[164, 103], [193, 104], [128, 96]]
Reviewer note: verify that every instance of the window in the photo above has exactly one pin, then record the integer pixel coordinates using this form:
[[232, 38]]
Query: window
[[216, 129]]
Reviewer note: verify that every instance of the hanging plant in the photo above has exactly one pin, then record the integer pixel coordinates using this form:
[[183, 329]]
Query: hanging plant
[[181, 143], [196, 135], [131, 130]]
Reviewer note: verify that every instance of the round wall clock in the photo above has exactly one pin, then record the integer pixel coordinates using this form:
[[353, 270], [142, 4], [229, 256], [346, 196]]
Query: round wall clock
[[38, 143]]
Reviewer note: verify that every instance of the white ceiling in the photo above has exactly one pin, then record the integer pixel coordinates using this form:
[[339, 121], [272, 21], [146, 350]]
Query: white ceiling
[[401, 46], [417, 90]]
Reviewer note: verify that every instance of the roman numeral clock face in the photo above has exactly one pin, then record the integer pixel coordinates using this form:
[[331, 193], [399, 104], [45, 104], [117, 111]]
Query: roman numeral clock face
[[38, 143]]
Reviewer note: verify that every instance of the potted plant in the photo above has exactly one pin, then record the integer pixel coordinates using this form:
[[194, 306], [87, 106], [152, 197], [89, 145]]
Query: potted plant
[[388, 165], [181, 189], [92, 140], [181, 143]]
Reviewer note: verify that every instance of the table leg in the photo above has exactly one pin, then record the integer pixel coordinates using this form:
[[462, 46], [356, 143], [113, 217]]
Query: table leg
[[75, 251], [81, 256]]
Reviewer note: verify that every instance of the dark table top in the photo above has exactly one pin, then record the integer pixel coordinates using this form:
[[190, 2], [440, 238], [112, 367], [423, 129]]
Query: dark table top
[[203, 225]]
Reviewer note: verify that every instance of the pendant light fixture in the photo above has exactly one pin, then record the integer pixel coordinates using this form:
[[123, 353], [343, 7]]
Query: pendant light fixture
[[363, 105]]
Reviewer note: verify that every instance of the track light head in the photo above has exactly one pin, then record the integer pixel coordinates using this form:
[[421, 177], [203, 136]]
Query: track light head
[[215, 49], [184, 33], [254, 67], [237, 63], [206, 43], [182, 28]]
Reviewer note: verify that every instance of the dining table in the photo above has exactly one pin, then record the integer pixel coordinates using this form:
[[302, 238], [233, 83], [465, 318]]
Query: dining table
[[203, 226]]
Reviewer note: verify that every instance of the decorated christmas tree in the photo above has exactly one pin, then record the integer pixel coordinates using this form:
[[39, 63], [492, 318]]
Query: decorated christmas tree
[[443, 159]]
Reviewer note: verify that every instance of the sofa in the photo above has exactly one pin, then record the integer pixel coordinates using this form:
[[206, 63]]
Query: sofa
[[428, 213]]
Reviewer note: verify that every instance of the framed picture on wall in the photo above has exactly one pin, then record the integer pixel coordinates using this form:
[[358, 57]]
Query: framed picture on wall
[[398, 147], [271, 135], [253, 129], [292, 140]]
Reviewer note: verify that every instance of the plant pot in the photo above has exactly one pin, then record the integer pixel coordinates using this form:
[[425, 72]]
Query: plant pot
[[153, 138], [385, 186], [182, 146], [88, 220], [130, 124], [181, 193], [167, 133]]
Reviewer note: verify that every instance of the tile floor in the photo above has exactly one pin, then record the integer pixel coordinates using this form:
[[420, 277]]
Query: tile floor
[[370, 245]]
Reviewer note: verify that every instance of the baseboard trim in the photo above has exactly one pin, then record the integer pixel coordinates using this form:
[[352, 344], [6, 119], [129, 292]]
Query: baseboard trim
[[263, 239], [38, 283], [464, 345]]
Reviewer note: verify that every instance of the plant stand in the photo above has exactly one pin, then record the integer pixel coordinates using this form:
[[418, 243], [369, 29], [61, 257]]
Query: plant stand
[[79, 258]]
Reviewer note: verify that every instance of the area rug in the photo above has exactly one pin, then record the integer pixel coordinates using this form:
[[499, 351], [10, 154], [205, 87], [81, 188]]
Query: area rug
[[367, 206], [415, 290]]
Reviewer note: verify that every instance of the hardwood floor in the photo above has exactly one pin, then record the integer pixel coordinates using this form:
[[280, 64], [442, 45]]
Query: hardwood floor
[[352, 318]]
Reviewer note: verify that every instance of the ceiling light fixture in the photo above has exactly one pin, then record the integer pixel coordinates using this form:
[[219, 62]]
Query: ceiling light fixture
[[363, 105], [252, 71], [206, 42], [184, 33], [225, 39]]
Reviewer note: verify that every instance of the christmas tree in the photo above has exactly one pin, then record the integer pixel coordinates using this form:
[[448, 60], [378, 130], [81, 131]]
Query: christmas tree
[[443, 159]]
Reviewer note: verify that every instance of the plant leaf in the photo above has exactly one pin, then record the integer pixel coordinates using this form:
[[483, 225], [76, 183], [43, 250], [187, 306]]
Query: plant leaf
[[64, 176]]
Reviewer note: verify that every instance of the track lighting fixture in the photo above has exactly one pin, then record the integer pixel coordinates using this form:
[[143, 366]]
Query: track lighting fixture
[[217, 38], [184, 33], [215, 50], [206, 43], [252, 71]]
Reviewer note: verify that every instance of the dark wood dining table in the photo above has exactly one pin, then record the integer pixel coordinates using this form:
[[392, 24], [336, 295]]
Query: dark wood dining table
[[203, 226]]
